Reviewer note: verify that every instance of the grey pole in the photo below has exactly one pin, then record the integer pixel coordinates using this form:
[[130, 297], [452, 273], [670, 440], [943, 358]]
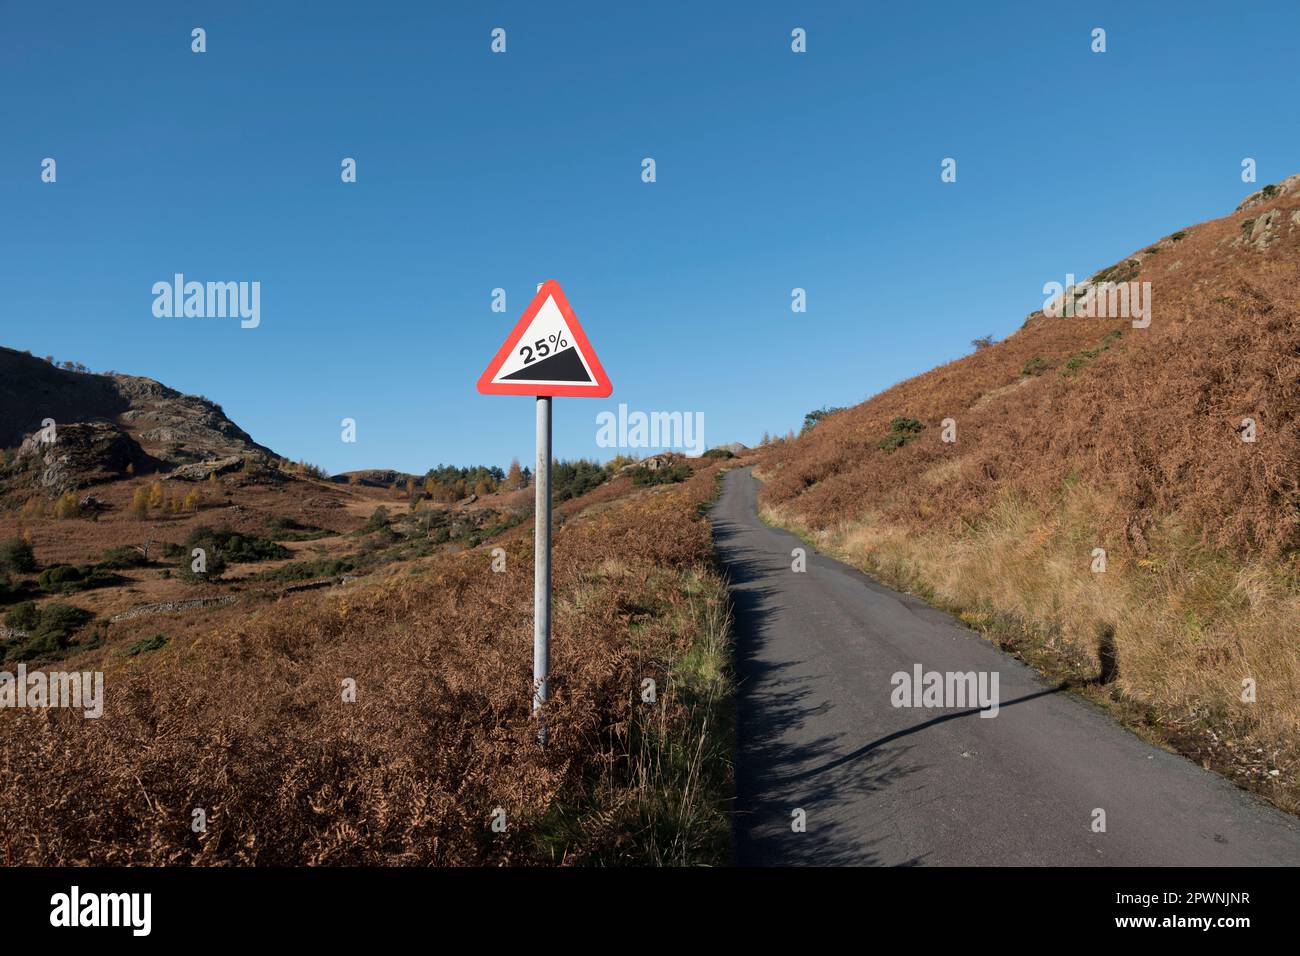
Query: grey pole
[[542, 566]]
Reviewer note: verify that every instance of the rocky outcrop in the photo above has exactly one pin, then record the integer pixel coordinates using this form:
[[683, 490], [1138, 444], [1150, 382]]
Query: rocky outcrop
[[81, 454], [663, 460], [1268, 193], [172, 427], [1260, 231], [203, 470], [184, 428]]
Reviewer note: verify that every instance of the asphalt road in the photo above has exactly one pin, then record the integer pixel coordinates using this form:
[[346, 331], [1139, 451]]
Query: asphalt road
[[885, 785]]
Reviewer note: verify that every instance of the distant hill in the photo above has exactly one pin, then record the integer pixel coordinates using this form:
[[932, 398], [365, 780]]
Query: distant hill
[[376, 478]]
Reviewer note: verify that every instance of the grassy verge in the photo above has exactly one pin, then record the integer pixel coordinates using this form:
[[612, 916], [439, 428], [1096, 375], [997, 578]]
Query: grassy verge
[[663, 795], [1171, 644]]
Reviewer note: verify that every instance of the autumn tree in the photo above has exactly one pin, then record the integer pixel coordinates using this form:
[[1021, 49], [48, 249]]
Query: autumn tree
[[67, 506], [514, 477]]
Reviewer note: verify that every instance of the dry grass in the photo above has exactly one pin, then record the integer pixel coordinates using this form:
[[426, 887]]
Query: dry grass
[[249, 724]]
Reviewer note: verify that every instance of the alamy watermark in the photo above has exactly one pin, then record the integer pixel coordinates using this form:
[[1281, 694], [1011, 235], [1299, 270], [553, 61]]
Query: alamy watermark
[[75, 908], [683, 430], [82, 690], [209, 300], [936, 689], [1098, 300]]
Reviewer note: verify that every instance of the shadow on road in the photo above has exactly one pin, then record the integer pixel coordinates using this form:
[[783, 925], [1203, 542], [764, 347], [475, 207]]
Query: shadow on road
[[772, 705], [944, 718]]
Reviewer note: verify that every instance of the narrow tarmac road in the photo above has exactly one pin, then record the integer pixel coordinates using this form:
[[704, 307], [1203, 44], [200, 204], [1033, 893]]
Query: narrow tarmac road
[[881, 785]]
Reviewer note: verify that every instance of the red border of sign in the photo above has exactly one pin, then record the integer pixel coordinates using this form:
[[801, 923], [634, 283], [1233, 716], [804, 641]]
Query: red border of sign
[[602, 387]]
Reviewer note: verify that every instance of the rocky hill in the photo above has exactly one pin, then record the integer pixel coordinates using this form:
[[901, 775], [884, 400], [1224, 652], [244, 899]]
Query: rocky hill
[[105, 425]]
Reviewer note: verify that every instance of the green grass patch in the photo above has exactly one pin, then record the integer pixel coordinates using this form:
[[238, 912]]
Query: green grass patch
[[157, 642]]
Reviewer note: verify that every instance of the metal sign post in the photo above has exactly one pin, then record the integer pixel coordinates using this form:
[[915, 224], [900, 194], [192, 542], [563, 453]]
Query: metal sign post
[[542, 564], [546, 354]]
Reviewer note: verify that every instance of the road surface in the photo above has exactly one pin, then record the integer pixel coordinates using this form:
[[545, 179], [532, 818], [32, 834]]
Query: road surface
[[880, 785]]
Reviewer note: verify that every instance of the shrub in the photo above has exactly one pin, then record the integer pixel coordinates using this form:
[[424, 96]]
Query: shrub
[[815, 416], [49, 629], [60, 622], [901, 431], [660, 476], [719, 453], [901, 424], [54, 578], [1035, 366], [66, 578], [573, 479], [16, 555], [377, 521], [23, 617], [121, 558], [983, 342], [214, 563], [310, 570], [233, 545]]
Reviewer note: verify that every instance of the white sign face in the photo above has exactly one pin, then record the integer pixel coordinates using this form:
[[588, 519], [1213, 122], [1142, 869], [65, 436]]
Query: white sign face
[[547, 353]]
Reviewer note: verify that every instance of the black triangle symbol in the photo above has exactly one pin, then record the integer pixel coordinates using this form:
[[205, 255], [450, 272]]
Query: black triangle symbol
[[563, 366]]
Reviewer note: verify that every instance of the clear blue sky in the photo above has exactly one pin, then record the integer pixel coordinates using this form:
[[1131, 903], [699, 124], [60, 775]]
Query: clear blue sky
[[476, 170]]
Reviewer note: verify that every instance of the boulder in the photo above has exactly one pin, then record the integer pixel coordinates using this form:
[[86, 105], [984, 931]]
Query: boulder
[[82, 454]]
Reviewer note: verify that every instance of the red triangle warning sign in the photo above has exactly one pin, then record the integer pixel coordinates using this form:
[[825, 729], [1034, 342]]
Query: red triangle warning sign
[[546, 353]]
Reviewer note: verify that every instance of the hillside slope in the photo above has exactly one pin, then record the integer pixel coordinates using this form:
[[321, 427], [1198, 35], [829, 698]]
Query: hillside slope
[[1077, 434], [170, 426]]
